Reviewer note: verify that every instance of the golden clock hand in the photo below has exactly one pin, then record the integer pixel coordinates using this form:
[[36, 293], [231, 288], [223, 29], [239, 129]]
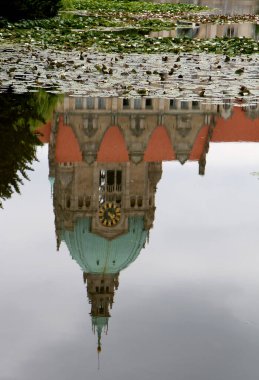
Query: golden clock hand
[[111, 215]]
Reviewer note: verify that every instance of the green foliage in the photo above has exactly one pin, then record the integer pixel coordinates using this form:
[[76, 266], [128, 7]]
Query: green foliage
[[29, 9], [67, 4], [129, 6], [19, 116]]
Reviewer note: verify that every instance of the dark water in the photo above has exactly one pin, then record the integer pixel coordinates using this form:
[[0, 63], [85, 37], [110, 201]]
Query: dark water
[[157, 204]]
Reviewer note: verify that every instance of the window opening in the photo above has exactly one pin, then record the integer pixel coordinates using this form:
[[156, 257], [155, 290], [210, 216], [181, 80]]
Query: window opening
[[79, 103], [125, 103]]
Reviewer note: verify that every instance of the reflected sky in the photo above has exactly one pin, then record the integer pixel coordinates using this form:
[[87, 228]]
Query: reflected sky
[[187, 308]]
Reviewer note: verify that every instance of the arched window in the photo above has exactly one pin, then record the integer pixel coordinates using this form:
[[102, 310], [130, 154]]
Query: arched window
[[173, 104], [110, 185], [78, 103], [68, 202], [80, 202], [140, 202], [87, 201], [149, 104], [101, 103], [90, 103], [126, 103], [132, 202]]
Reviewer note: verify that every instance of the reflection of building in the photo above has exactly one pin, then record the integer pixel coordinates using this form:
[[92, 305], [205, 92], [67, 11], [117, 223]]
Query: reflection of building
[[231, 6], [100, 291], [105, 157], [207, 31], [225, 6]]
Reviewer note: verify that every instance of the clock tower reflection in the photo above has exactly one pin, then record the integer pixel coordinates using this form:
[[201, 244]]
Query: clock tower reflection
[[105, 160]]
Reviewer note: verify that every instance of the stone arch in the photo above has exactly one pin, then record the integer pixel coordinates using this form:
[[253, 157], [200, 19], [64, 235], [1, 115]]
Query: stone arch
[[159, 146]]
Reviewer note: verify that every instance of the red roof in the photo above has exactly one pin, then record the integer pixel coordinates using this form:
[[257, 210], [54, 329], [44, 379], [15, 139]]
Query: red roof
[[199, 143], [113, 147], [67, 147], [239, 127], [159, 147]]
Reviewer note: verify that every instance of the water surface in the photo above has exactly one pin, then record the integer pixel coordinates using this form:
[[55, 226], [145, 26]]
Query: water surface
[[179, 267], [132, 252]]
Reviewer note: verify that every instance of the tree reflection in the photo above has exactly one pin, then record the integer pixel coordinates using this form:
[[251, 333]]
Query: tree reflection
[[19, 117]]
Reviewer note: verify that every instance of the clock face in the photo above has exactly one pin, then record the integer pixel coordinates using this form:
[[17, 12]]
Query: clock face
[[109, 214]]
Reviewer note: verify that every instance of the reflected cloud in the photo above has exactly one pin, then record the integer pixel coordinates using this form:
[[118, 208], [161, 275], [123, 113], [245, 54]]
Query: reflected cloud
[[196, 338]]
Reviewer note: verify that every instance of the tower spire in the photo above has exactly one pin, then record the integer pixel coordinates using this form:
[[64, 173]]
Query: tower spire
[[99, 325], [98, 361], [99, 347]]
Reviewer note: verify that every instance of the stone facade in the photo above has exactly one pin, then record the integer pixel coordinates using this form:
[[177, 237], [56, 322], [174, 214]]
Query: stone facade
[[81, 185]]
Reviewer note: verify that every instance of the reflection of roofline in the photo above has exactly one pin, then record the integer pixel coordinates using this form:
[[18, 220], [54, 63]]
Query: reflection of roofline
[[138, 112]]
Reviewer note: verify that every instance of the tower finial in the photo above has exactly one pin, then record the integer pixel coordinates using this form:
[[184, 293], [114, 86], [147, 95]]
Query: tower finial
[[99, 348], [98, 358]]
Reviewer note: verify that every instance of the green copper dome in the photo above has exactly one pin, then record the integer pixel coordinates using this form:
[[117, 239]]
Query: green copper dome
[[95, 254]]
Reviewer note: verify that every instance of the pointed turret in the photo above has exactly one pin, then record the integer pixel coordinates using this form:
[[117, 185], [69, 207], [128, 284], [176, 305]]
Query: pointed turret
[[100, 325], [52, 181], [100, 291]]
